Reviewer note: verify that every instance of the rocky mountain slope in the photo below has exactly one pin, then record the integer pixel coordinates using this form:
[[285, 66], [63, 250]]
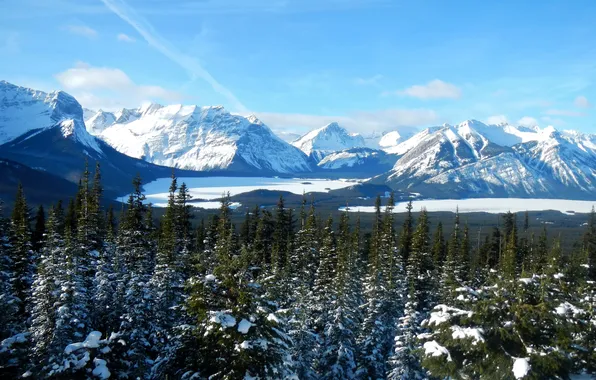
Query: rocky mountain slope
[[473, 159], [46, 131], [197, 138]]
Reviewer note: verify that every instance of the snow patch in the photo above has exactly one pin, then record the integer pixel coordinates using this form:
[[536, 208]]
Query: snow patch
[[521, 367], [433, 348], [244, 326], [467, 332], [223, 319], [92, 341]]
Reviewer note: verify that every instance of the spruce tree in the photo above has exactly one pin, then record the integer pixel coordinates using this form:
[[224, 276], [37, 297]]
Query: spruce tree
[[134, 268], [21, 254], [39, 229], [438, 246]]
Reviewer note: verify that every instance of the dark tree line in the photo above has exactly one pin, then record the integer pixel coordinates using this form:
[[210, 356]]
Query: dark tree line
[[285, 295]]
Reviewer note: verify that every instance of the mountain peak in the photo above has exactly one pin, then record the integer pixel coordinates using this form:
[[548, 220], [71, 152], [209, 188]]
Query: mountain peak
[[330, 138]]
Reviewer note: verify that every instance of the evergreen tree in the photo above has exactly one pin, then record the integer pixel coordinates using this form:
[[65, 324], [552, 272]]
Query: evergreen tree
[[236, 335], [39, 229], [134, 269], [21, 255], [438, 246], [405, 238]]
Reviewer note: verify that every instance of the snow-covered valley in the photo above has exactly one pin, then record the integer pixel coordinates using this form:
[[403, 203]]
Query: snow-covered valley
[[210, 188], [490, 205]]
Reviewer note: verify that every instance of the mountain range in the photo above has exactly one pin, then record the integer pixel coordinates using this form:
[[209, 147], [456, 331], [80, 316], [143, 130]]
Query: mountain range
[[52, 133]]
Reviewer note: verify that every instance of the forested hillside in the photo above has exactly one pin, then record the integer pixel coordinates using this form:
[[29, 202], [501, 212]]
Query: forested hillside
[[289, 294]]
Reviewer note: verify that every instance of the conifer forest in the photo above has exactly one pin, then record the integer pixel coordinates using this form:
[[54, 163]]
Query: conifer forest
[[90, 293]]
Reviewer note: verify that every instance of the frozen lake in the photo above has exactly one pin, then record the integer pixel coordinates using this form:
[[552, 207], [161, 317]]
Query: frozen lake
[[491, 205], [210, 188]]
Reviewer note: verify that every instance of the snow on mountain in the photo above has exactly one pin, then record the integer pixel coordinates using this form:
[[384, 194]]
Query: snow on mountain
[[23, 109], [474, 159], [99, 121], [366, 160], [197, 138], [326, 140]]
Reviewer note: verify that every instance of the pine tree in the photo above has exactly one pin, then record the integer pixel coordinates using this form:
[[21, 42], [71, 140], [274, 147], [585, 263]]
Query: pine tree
[[405, 238], [384, 300], [39, 229], [21, 255], [438, 246], [304, 264], [236, 335], [9, 303], [134, 268], [339, 351]]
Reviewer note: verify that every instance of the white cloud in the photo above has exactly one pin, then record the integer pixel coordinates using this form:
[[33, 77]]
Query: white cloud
[[435, 89], [110, 88], [371, 81], [360, 121], [82, 30], [188, 63], [496, 119], [125, 38], [582, 102], [558, 112], [527, 121]]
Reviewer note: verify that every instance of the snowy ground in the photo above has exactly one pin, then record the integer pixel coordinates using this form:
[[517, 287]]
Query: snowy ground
[[491, 205], [214, 187]]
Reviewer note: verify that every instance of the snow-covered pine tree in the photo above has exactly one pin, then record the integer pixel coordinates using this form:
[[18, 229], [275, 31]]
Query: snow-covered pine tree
[[170, 275], [134, 260], [406, 235], [404, 363], [304, 263], [8, 300], [21, 254], [384, 294], [44, 292], [339, 337], [451, 276], [13, 342], [237, 335]]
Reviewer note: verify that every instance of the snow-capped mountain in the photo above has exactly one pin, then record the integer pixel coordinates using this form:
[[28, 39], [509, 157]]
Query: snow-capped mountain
[[46, 131], [23, 109], [328, 139], [197, 138], [358, 161], [475, 159]]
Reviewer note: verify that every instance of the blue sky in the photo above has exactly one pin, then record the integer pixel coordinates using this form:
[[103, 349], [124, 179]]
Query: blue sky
[[370, 64]]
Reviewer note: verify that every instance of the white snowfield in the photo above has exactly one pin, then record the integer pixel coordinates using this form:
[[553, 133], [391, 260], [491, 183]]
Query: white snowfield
[[210, 188], [490, 205]]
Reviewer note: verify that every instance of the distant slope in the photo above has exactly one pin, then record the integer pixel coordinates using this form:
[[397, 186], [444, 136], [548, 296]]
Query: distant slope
[[326, 140]]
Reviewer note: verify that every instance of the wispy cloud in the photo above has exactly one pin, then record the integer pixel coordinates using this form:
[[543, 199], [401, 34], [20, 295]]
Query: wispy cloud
[[81, 30], [582, 102], [497, 119], [558, 112], [527, 121], [360, 121], [190, 64], [125, 38], [371, 81], [109, 88], [435, 89]]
